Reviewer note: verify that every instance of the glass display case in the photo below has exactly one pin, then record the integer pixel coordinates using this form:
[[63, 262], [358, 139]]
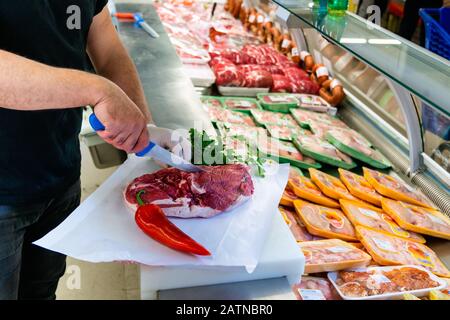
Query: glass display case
[[397, 92]]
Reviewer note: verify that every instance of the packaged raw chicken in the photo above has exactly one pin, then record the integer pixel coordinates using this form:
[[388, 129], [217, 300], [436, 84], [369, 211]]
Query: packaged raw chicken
[[253, 134], [325, 222], [303, 117], [330, 186], [288, 197], [209, 101], [384, 283], [286, 152], [332, 255], [418, 219], [315, 103], [218, 114], [395, 189], [323, 151], [359, 187], [304, 188], [240, 104], [285, 133], [350, 143], [391, 250], [296, 226], [278, 102], [267, 117], [315, 288], [366, 216]]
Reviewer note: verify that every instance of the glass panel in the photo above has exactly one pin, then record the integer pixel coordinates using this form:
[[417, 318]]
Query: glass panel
[[418, 70], [436, 129], [367, 84]]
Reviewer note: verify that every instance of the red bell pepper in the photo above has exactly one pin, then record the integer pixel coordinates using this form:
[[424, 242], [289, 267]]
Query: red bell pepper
[[152, 220]]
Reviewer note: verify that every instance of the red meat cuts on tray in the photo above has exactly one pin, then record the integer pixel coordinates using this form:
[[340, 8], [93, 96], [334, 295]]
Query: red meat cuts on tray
[[189, 195], [260, 66]]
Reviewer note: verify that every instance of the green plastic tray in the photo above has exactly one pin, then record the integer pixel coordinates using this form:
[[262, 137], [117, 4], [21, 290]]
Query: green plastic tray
[[282, 107], [382, 163], [323, 158]]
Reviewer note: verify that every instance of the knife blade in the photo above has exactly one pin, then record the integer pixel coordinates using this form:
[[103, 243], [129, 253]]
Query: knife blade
[[154, 151]]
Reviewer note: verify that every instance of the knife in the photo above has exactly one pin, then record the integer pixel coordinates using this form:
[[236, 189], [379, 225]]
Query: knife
[[137, 17], [154, 151]]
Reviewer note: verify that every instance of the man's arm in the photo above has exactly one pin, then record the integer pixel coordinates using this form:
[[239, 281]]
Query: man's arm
[[112, 61], [28, 85]]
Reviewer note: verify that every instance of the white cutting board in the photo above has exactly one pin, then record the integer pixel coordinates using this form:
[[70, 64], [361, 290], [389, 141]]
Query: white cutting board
[[281, 256]]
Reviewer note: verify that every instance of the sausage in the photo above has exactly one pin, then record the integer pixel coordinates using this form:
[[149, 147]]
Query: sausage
[[319, 74], [276, 38], [237, 8], [307, 61], [332, 92], [243, 15], [295, 55], [258, 23], [251, 18], [266, 32], [286, 43]]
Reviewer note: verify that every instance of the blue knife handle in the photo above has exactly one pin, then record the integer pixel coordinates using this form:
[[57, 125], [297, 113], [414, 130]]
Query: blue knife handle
[[98, 126]]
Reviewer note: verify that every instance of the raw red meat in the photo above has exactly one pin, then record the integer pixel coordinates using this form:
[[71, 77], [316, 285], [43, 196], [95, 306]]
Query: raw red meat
[[295, 74], [281, 84], [257, 79], [188, 195], [227, 75]]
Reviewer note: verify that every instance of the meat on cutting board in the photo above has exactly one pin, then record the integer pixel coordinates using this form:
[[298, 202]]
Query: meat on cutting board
[[190, 195]]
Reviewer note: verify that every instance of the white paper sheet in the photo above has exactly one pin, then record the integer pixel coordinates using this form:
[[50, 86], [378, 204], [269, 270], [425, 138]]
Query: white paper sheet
[[103, 229]]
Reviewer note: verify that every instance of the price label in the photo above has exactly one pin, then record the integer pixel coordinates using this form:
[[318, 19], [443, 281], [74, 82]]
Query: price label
[[285, 43], [311, 294], [339, 249], [294, 52], [260, 19], [369, 213], [252, 18], [384, 245]]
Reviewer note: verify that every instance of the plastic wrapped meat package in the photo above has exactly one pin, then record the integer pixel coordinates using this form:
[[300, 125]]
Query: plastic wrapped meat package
[[332, 255], [285, 133], [278, 102], [241, 104], [208, 101], [267, 117], [315, 103], [384, 283], [288, 197], [418, 219], [350, 142], [359, 187], [362, 215], [296, 226], [315, 288], [252, 134], [325, 222], [219, 114], [395, 188], [306, 117], [304, 188], [286, 152], [323, 151], [391, 250], [330, 186]]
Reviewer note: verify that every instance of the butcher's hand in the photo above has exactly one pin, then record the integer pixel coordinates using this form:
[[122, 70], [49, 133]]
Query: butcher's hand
[[174, 140], [125, 125]]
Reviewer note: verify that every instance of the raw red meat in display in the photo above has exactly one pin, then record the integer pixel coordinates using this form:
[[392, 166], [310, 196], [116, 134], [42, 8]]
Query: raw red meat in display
[[281, 84], [227, 75], [189, 195], [257, 79]]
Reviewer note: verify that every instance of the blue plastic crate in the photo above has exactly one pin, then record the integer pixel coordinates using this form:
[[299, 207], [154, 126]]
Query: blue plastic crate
[[437, 30]]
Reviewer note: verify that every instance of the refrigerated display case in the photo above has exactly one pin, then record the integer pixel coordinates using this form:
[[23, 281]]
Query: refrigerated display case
[[396, 96]]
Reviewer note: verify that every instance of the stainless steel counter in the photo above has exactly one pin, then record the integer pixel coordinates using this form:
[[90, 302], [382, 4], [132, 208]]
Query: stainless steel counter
[[171, 96]]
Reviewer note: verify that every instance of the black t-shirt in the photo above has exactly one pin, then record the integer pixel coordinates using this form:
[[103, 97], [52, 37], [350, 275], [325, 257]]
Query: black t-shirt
[[39, 150]]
